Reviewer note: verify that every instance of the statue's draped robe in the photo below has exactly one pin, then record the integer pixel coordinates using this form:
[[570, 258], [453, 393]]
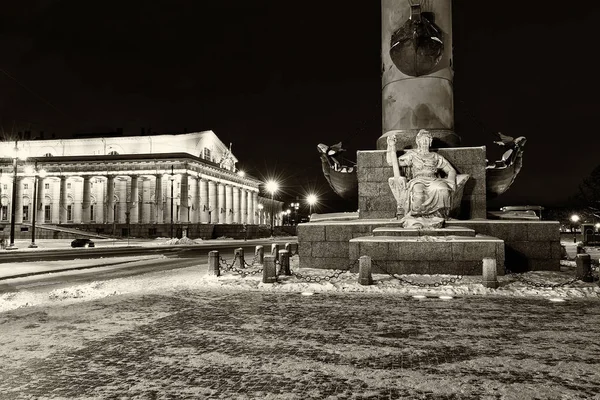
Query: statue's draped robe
[[438, 193]]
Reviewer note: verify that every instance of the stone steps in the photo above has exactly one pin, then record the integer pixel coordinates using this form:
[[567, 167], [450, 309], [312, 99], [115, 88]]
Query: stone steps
[[399, 231], [428, 254]]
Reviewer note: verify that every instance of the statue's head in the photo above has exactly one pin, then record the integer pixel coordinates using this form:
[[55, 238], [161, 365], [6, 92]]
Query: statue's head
[[423, 138]]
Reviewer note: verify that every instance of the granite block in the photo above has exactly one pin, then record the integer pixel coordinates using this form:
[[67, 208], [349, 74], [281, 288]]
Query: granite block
[[369, 189], [338, 233], [531, 250], [371, 158], [508, 232], [376, 250], [543, 230], [555, 250], [425, 251], [311, 233], [304, 249], [330, 249], [463, 251]]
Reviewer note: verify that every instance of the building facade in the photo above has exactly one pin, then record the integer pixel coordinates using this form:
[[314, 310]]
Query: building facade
[[182, 179]]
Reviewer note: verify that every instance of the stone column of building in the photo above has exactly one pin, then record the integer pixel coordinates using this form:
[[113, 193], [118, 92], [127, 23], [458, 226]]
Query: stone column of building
[[244, 206], [123, 201], [171, 189], [77, 196], [158, 197], [203, 204], [134, 205], [195, 196], [212, 203], [145, 208], [255, 206], [411, 103], [100, 205], [19, 201], [86, 202], [228, 204], [236, 205], [62, 202], [39, 212], [54, 194], [184, 206], [221, 212], [110, 199]]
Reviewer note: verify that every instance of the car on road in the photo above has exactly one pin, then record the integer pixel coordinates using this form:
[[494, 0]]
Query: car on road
[[82, 243]]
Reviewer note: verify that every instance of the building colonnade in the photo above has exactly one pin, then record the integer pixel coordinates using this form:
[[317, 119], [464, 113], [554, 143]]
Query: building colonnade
[[133, 198]]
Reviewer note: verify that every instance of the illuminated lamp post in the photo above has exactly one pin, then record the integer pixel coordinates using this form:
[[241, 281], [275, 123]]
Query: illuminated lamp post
[[272, 187], [172, 179], [288, 212], [575, 220], [311, 199], [37, 174]]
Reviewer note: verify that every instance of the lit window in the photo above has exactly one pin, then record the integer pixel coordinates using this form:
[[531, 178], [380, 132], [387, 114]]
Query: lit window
[[206, 153]]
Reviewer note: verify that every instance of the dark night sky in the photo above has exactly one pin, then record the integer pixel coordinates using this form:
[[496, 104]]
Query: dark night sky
[[276, 78]]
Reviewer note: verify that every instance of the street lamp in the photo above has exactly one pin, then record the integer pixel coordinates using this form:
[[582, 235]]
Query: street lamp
[[311, 199], [574, 219], [288, 212], [272, 187], [41, 174], [172, 178], [13, 204]]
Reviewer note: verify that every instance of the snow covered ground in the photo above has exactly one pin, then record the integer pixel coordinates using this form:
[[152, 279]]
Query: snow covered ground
[[196, 278]]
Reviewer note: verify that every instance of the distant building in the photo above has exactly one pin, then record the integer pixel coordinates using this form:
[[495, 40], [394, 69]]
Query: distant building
[[186, 178]]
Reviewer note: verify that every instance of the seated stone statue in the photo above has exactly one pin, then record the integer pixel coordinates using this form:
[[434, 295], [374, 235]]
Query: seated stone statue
[[428, 189]]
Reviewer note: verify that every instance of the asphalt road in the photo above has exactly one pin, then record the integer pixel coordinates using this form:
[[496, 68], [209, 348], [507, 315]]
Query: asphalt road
[[183, 251]]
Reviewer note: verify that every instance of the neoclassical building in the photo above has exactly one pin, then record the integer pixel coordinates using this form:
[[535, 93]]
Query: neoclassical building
[[151, 181]]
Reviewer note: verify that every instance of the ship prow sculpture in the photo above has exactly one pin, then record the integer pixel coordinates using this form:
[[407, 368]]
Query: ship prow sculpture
[[340, 172], [501, 174]]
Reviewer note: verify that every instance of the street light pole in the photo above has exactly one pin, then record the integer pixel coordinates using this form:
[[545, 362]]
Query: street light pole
[[272, 216], [574, 219], [171, 202]]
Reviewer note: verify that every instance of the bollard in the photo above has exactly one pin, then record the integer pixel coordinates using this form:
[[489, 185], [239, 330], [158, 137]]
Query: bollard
[[213, 263], [269, 270], [584, 267], [490, 274], [284, 263], [239, 255], [259, 252], [275, 250], [364, 271]]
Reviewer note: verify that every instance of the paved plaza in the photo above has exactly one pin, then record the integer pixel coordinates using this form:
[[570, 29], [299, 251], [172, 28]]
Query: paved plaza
[[233, 344]]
